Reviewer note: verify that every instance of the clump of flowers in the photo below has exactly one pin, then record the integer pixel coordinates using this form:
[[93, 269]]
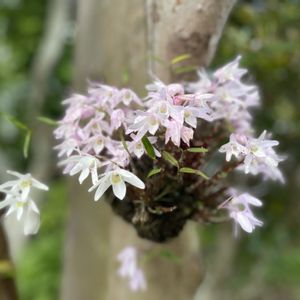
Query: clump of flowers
[[156, 156], [18, 200]]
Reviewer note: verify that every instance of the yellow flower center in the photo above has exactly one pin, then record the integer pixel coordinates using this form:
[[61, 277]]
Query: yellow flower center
[[186, 114], [26, 183], [115, 178]]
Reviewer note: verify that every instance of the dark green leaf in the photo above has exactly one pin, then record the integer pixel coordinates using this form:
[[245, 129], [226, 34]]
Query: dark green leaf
[[148, 147]]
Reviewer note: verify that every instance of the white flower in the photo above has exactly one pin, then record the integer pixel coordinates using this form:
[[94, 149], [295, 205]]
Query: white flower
[[18, 200], [22, 185], [240, 212], [144, 122], [258, 155], [116, 179], [137, 147], [83, 164], [233, 147], [261, 149]]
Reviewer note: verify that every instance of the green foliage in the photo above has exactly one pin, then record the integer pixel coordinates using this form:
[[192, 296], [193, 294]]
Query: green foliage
[[148, 147], [193, 171], [154, 172], [170, 159], [197, 150]]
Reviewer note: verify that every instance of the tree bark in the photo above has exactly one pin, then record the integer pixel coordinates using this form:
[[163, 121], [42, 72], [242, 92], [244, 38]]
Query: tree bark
[[116, 38]]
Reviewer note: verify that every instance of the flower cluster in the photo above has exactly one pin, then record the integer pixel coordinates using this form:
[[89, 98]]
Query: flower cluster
[[160, 144], [18, 200], [129, 269]]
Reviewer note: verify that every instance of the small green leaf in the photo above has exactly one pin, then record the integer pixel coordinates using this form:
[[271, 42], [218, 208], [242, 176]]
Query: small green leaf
[[170, 158], [193, 171], [15, 121], [186, 69], [47, 121], [180, 58], [197, 150], [148, 147], [154, 172], [26, 144]]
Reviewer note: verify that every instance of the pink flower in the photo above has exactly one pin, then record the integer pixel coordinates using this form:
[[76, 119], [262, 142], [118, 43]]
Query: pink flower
[[144, 122], [239, 210], [117, 118], [129, 269]]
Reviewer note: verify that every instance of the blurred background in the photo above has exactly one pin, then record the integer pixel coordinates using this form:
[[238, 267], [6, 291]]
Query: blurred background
[[33, 82]]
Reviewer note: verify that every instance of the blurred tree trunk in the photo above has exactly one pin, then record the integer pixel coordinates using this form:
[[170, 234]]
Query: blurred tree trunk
[[116, 38]]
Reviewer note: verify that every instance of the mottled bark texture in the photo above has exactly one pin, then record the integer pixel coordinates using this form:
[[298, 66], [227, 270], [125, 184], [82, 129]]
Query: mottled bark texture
[[116, 38], [179, 27]]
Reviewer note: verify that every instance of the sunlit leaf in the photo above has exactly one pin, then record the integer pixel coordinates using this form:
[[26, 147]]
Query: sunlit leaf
[[180, 58], [47, 121], [170, 158], [186, 69], [197, 150], [154, 172], [26, 144]]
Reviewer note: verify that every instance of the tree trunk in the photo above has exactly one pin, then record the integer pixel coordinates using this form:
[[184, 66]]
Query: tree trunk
[[116, 38]]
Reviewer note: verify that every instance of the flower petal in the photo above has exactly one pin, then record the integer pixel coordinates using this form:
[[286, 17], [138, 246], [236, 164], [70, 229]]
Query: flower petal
[[39, 185], [104, 184], [31, 222], [131, 179], [119, 189], [84, 174]]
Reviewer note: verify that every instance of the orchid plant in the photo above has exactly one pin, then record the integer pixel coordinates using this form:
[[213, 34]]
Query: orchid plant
[[163, 159], [153, 152]]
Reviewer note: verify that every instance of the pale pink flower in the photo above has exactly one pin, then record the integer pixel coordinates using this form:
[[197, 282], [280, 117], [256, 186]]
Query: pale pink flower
[[117, 118], [129, 269], [144, 122], [239, 210]]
